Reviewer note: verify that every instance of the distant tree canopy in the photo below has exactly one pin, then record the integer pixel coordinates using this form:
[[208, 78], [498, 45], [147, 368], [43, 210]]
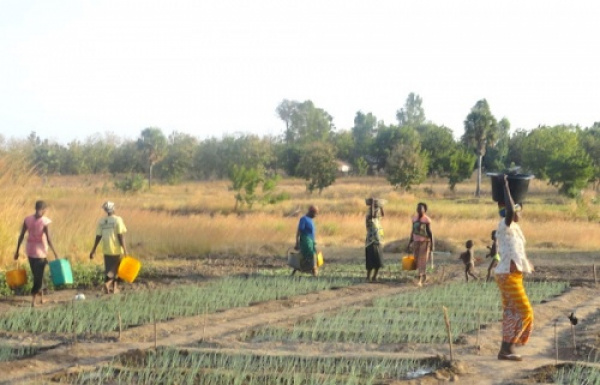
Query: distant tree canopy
[[565, 156]]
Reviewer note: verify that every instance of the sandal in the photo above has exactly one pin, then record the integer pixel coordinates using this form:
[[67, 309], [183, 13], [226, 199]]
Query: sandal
[[510, 357]]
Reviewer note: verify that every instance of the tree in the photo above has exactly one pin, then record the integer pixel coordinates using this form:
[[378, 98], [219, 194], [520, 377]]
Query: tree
[[515, 148], [47, 157], [406, 166], [460, 168], [244, 181], [571, 173], [153, 145], [179, 159], [99, 152], [556, 154], [305, 124], [363, 133], [389, 137], [413, 113], [496, 153], [74, 161], [362, 166], [317, 166], [344, 145], [590, 141], [439, 144], [480, 130], [285, 110], [543, 144]]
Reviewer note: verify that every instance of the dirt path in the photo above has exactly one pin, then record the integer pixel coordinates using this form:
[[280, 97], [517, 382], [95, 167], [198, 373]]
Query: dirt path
[[220, 329], [486, 369]]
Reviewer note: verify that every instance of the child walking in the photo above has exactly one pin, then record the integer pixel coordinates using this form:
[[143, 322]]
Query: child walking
[[469, 260], [494, 255]]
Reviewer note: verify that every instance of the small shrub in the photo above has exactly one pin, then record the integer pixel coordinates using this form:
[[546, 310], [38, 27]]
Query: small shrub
[[131, 183]]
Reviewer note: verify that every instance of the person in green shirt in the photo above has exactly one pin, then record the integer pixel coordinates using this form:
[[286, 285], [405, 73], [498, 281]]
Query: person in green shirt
[[111, 230]]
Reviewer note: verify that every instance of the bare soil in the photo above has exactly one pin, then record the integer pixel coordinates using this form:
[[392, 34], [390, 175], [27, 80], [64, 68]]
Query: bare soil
[[474, 359]]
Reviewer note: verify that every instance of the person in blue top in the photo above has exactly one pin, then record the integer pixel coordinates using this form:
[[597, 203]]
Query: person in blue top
[[306, 242]]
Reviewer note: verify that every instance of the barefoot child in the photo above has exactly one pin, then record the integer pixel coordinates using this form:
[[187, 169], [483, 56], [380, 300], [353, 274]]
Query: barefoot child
[[494, 254], [469, 260]]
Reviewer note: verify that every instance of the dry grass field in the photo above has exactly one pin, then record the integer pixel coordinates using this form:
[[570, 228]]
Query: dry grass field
[[197, 218]]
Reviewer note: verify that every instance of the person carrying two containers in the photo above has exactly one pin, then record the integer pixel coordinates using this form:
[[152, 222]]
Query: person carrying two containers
[[111, 230], [306, 243]]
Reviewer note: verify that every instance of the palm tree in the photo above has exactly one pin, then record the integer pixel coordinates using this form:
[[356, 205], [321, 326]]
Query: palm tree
[[481, 129]]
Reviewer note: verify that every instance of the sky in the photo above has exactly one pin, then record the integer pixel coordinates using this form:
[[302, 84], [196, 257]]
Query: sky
[[71, 69]]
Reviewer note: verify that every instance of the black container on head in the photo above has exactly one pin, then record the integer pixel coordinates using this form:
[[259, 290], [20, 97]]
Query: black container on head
[[518, 184]]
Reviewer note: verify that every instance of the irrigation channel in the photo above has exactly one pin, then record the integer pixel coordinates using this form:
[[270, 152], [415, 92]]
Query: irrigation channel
[[325, 331]]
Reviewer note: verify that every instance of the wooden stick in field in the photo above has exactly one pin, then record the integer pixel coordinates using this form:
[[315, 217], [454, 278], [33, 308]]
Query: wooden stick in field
[[120, 324], [573, 338], [155, 337], [74, 325], [556, 342], [478, 332], [447, 321]]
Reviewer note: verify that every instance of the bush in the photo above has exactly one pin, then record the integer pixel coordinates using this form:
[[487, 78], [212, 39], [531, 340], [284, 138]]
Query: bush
[[131, 183]]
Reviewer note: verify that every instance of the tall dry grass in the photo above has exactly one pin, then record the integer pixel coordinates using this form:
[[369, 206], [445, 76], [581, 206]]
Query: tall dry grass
[[197, 218], [15, 185]]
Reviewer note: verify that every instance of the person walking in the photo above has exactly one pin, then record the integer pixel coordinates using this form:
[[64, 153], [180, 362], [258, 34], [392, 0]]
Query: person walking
[[421, 241], [38, 241], [111, 230], [374, 239], [517, 316], [306, 242], [468, 258], [494, 255]]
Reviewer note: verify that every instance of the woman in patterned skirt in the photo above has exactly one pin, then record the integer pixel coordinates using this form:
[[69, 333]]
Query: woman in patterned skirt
[[421, 241], [517, 317]]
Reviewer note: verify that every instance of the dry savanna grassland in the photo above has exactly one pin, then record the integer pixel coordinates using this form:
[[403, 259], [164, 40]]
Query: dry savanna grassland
[[214, 303], [197, 218]]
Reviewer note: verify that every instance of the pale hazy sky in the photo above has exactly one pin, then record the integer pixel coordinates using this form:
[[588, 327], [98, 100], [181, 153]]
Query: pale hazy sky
[[70, 69]]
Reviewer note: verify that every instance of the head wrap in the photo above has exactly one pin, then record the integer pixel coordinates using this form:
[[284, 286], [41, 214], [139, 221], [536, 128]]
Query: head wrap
[[502, 209], [109, 207]]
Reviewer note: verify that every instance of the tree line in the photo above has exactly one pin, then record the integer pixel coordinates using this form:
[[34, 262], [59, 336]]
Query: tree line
[[310, 146]]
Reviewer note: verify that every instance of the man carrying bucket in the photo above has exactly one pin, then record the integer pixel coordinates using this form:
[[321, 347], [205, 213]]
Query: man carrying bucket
[[111, 230], [38, 241]]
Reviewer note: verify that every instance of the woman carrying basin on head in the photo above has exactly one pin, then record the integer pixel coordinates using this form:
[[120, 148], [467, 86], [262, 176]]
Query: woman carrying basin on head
[[111, 230], [374, 239], [517, 316]]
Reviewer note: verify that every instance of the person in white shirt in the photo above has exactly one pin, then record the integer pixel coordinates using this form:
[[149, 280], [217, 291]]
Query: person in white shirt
[[517, 318]]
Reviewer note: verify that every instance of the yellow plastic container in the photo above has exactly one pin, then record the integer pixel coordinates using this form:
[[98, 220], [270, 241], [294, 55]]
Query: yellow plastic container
[[409, 263], [129, 269], [16, 278], [320, 259]]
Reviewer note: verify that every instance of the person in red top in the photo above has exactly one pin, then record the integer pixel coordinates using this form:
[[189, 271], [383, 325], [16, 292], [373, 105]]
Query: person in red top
[[421, 241], [36, 247]]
